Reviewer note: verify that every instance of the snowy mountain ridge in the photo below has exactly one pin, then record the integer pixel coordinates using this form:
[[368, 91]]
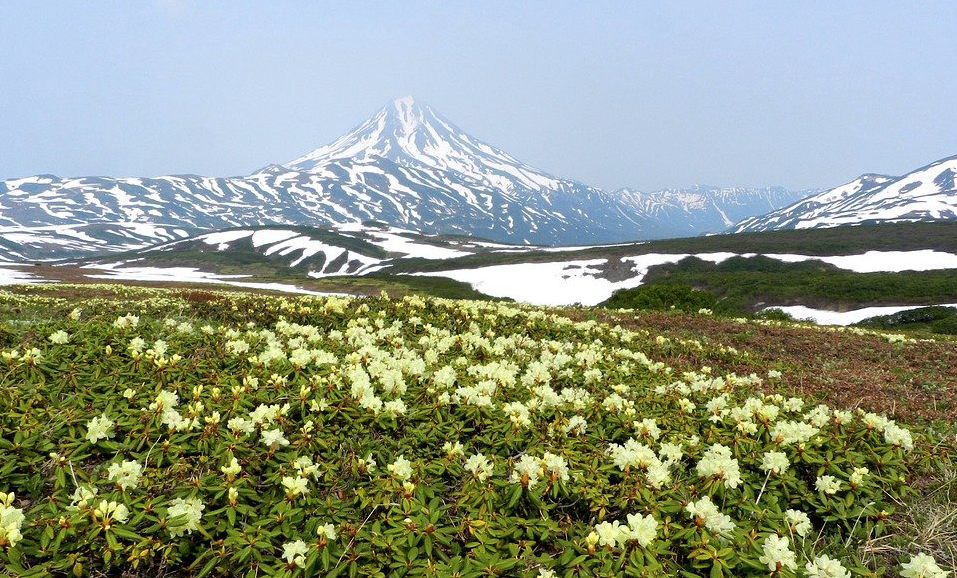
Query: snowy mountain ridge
[[406, 166], [925, 194]]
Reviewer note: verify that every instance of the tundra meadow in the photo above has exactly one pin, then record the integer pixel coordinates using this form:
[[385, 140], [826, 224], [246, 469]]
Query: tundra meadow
[[150, 432]]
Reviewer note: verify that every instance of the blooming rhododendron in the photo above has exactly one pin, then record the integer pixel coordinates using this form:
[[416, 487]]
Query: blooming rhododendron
[[777, 554], [401, 468], [99, 428], [922, 566], [126, 474], [826, 567], [710, 516], [295, 553], [192, 509]]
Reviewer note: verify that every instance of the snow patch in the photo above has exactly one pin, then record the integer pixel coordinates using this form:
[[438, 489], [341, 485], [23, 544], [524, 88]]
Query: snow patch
[[825, 317]]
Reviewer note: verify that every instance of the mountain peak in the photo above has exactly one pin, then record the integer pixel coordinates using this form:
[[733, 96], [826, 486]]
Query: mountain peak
[[405, 115], [412, 134]]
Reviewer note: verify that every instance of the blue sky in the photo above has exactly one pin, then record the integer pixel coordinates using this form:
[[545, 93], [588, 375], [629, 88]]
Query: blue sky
[[636, 94]]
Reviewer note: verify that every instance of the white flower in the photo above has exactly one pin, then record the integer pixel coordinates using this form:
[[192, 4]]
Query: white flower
[[518, 413], [776, 462], [718, 462], [237, 347], [712, 518], [127, 474], [160, 348], [843, 417], [165, 400], [643, 529], [610, 533], [273, 437], [453, 449], [799, 521], [295, 553], [793, 432], [295, 485], [99, 428], [394, 407], [857, 476], [136, 346], [648, 427], [328, 531], [192, 509], [479, 466], [266, 414], [82, 496], [232, 470], [922, 566], [11, 520], [898, 436], [117, 512], [401, 468], [556, 465], [367, 464], [778, 554], [672, 453], [632, 454], [827, 484], [240, 425], [306, 467], [526, 471], [658, 475], [127, 321], [826, 567], [576, 425], [60, 337]]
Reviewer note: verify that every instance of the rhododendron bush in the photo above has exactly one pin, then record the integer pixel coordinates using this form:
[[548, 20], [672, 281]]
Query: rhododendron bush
[[249, 435]]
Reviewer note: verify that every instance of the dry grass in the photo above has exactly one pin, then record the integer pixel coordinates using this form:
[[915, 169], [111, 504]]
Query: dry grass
[[914, 383]]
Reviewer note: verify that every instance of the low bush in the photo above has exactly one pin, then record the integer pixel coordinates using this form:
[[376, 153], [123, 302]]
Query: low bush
[[661, 298]]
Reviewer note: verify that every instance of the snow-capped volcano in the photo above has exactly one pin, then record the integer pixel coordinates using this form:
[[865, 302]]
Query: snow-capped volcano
[[406, 166], [412, 134], [926, 194]]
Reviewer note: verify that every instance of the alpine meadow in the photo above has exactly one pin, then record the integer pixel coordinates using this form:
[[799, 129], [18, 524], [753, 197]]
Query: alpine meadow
[[665, 290]]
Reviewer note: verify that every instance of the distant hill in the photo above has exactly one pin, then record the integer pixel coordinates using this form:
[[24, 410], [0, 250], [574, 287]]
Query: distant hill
[[926, 194]]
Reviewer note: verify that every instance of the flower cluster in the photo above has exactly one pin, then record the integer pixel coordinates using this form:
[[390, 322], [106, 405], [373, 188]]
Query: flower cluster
[[641, 529], [11, 520]]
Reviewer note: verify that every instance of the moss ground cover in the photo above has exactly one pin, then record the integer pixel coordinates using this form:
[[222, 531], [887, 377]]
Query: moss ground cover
[[147, 432]]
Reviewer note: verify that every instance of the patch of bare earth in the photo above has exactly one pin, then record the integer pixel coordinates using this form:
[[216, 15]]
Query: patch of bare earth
[[910, 382]]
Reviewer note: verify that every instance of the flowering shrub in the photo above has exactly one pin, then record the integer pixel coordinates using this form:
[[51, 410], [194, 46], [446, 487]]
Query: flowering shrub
[[244, 434]]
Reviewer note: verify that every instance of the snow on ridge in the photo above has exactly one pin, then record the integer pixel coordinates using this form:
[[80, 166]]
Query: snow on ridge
[[193, 275], [224, 238], [928, 193], [570, 282], [827, 317]]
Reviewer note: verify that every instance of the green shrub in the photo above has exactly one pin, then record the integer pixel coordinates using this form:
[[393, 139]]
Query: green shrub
[[661, 298], [775, 314]]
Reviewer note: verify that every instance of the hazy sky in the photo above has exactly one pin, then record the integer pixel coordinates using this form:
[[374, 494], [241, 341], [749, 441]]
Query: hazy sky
[[801, 94]]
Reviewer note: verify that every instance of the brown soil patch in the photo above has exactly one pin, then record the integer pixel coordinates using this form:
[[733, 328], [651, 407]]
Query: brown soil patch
[[911, 382]]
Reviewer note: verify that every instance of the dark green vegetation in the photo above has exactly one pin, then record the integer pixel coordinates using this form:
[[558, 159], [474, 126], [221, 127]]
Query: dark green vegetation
[[661, 298], [748, 284], [937, 320]]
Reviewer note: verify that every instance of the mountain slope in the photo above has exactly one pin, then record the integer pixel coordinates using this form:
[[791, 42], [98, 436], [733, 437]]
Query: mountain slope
[[701, 208], [406, 166], [926, 194]]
